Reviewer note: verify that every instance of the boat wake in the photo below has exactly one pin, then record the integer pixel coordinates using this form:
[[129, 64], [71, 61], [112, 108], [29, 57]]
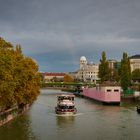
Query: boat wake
[[67, 115]]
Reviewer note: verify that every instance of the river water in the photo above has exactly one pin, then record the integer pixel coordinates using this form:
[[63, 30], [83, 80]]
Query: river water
[[93, 121]]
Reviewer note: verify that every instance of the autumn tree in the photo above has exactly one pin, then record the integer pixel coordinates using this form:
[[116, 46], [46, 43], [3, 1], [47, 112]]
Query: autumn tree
[[7, 85], [19, 78], [68, 78]]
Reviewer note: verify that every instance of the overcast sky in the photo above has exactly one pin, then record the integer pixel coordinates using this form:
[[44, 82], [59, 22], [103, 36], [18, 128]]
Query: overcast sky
[[57, 32]]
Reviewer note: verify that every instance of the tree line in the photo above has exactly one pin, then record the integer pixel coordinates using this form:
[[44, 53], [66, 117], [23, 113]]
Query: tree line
[[122, 76], [19, 77]]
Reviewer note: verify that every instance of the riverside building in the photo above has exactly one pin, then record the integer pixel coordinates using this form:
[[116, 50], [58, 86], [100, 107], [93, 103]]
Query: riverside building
[[134, 62], [51, 77], [87, 71]]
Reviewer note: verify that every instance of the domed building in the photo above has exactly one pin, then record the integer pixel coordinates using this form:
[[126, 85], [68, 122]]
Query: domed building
[[83, 61], [87, 71]]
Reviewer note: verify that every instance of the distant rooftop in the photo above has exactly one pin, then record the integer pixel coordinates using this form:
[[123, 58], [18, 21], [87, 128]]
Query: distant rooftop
[[137, 56], [90, 64], [112, 60], [53, 74]]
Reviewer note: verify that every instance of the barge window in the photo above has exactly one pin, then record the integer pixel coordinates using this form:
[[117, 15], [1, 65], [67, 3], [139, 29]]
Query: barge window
[[108, 90], [116, 90]]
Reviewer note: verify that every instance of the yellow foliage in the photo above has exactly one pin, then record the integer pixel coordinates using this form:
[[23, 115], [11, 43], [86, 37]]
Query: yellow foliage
[[19, 80], [68, 78]]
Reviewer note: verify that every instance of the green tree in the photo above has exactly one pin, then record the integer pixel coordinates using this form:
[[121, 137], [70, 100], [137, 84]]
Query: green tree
[[136, 75], [125, 72], [104, 71], [116, 76]]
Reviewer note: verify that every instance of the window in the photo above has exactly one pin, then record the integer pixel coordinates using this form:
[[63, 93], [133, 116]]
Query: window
[[108, 90], [116, 90]]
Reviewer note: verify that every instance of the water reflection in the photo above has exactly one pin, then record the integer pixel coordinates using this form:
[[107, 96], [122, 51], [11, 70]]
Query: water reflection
[[93, 121], [18, 129], [64, 121], [107, 108]]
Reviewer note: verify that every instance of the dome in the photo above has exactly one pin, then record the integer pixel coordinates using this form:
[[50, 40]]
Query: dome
[[83, 58]]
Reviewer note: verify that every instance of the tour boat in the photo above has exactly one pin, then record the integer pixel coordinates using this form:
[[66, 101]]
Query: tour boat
[[105, 94], [65, 104]]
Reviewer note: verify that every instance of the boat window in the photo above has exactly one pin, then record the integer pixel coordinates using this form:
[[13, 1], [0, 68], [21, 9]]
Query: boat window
[[65, 98], [62, 107], [66, 107], [70, 107]]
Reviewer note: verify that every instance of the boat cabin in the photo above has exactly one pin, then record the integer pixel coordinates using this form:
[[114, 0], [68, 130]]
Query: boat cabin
[[109, 89], [65, 97]]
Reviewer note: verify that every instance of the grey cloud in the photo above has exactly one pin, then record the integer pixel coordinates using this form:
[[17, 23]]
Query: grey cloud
[[59, 31]]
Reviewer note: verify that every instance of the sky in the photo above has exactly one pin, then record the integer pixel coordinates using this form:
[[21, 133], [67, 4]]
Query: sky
[[56, 33]]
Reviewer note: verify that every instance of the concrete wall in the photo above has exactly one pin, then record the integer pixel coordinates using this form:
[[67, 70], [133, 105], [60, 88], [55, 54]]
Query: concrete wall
[[10, 114]]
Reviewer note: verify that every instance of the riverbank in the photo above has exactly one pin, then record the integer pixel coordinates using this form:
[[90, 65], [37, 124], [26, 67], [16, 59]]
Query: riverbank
[[11, 113], [130, 99]]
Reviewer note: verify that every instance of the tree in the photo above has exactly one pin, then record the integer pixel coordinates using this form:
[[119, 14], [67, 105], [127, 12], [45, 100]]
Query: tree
[[116, 76], [136, 75], [27, 88], [104, 71], [68, 78], [19, 77], [125, 72]]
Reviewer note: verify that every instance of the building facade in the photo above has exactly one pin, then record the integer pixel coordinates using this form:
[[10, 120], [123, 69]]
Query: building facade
[[134, 62], [52, 77], [87, 71], [111, 63]]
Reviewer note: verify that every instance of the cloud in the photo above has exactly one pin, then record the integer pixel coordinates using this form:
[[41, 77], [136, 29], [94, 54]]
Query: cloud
[[60, 31], [108, 39]]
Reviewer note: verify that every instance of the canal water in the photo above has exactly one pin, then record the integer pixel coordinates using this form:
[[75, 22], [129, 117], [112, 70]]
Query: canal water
[[93, 121]]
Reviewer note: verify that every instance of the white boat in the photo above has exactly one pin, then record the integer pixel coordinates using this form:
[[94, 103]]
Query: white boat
[[65, 104]]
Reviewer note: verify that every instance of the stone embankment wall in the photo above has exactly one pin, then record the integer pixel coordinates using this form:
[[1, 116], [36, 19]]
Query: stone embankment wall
[[10, 114]]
